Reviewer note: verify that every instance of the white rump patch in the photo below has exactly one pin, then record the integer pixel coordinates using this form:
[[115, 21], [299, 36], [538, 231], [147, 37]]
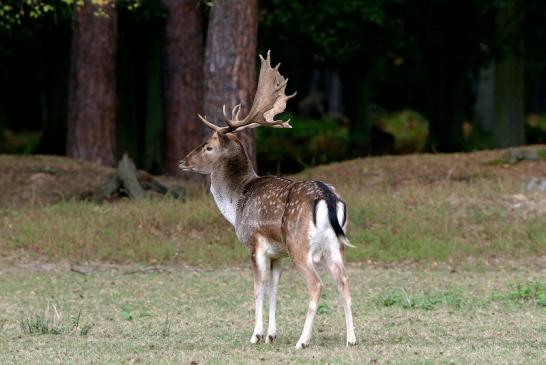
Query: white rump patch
[[322, 237], [340, 210], [322, 221]]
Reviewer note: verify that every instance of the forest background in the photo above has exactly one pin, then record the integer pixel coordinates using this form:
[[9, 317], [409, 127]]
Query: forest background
[[95, 79]]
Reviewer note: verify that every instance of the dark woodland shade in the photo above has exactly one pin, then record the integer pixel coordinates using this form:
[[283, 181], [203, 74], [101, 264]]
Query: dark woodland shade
[[230, 62], [183, 80], [92, 101]]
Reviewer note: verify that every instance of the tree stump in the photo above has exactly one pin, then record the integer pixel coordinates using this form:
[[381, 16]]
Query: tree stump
[[133, 183]]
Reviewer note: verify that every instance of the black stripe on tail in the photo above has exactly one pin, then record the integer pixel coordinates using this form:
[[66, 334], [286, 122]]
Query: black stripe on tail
[[331, 203]]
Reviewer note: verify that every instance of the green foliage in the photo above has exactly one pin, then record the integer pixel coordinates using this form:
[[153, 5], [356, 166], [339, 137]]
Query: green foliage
[[409, 129], [14, 12], [308, 143], [329, 30], [19, 142]]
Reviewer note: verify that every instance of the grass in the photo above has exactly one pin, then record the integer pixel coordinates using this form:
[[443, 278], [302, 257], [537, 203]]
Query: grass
[[440, 222], [51, 323], [534, 292], [206, 316], [437, 222], [425, 301], [421, 208]]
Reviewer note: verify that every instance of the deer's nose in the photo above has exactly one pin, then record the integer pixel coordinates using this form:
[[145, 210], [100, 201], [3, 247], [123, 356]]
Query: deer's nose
[[183, 164]]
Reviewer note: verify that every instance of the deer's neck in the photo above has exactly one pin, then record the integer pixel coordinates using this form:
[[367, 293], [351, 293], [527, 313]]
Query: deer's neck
[[227, 182]]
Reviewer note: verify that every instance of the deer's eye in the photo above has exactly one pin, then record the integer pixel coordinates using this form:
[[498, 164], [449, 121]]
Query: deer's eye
[[208, 148]]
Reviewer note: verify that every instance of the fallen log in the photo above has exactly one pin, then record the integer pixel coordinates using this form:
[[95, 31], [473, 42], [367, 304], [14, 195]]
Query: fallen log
[[133, 183]]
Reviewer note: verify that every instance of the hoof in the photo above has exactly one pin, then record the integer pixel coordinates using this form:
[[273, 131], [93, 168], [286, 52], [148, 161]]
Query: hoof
[[270, 338], [257, 337], [351, 343], [301, 345]]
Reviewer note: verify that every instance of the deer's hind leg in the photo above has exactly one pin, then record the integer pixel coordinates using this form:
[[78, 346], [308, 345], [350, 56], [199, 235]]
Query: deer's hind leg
[[305, 266], [334, 260]]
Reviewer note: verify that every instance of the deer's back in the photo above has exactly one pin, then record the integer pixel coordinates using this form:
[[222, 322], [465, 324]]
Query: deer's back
[[271, 206]]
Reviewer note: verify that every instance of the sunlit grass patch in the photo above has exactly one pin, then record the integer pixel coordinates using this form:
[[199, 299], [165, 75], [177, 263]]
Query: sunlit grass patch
[[424, 301], [155, 231], [447, 221], [531, 292], [534, 292]]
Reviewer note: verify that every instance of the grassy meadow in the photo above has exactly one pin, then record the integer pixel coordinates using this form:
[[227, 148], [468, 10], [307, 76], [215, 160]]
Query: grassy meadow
[[449, 267], [206, 316]]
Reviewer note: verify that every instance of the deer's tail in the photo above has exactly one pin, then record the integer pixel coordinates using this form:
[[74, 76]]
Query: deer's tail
[[337, 212]]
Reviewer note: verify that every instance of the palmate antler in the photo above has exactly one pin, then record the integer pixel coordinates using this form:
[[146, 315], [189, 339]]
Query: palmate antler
[[269, 101]]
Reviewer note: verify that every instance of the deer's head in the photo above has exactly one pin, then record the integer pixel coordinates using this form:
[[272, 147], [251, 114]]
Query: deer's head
[[218, 148], [269, 100]]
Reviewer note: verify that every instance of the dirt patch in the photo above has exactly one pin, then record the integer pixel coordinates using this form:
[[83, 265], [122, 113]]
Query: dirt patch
[[429, 169], [49, 179]]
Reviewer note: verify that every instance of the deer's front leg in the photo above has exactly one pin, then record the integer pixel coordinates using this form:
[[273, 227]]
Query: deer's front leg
[[260, 264], [276, 270]]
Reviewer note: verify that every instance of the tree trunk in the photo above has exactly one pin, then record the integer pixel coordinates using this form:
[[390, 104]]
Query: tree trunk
[[183, 80], [357, 82], [153, 137], [509, 102], [56, 69], [509, 89], [445, 85], [92, 100], [230, 62], [485, 98]]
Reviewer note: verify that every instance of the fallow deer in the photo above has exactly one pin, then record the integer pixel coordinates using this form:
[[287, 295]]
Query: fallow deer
[[273, 216]]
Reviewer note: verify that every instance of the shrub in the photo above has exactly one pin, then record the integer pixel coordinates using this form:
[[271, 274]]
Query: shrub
[[310, 142]]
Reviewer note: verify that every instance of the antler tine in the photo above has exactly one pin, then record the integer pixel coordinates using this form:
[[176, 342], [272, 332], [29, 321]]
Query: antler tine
[[209, 124], [238, 107], [235, 112], [283, 124], [292, 95]]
